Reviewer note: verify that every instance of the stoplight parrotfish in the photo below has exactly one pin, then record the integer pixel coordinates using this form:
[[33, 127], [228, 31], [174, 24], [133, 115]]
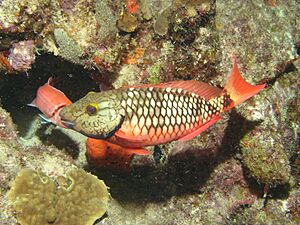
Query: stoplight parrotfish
[[146, 115], [119, 123]]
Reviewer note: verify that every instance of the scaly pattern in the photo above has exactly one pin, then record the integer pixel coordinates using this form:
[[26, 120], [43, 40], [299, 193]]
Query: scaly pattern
[[166, 113]]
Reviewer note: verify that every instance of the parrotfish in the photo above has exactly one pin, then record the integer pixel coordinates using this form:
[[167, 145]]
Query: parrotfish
[[144, 115]]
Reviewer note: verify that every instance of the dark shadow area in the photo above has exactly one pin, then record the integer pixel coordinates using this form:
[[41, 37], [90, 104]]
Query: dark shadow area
[[17, 90], [185, 173], [236, 129], [59, 140]]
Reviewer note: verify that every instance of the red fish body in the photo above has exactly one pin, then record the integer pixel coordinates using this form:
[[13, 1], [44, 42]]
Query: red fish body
[[50, 101]]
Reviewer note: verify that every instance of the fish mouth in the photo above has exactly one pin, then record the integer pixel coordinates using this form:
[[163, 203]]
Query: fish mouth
[[68, 124]]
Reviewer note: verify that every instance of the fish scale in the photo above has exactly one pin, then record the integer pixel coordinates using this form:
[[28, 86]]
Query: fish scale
[[165, 113]]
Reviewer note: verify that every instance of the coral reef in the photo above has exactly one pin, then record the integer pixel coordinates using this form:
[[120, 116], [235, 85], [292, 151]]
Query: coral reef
[[245, 169], [262, 41], [127, 22], [78, 199]]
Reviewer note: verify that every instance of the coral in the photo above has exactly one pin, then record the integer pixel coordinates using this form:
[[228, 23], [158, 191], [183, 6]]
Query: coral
[[20, 16], [267, 149], [135, 56], [107, 19], [162, 22], [223, 193], [132, 6], [145, 9], [19, 58], [275, 212], [68, 6], [294, 205], [108, 58], [261, 41], [68, 48], [7, 127], [127, 22], [78, 199], [155, 72], [208, 180], [22, 55], [4, 63], [127, 76]]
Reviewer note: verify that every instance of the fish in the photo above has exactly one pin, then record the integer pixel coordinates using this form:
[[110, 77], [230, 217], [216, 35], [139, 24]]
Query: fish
[[100, 153], [50, 101], [153, 114]]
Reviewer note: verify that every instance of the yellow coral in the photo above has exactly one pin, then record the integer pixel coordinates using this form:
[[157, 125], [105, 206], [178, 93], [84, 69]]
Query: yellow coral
[[78, 199]]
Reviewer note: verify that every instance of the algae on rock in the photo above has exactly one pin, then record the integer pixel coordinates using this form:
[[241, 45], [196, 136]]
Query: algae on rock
[[266, 159], [78, 199]]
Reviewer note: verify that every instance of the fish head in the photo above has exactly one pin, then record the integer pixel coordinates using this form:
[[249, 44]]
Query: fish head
[[96, 115]]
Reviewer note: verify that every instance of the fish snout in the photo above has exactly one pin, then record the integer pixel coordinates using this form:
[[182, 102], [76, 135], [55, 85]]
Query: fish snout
[[65, 121], [68, 124]]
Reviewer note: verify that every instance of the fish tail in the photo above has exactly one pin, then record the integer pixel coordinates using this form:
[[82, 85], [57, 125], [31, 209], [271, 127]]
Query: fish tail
[[238, 89]]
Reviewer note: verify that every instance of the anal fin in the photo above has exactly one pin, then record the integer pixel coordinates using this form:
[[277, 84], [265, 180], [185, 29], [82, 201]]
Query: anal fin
[[199, 130]]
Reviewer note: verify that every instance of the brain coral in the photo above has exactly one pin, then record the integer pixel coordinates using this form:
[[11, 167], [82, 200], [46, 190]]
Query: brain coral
[[78, 199]]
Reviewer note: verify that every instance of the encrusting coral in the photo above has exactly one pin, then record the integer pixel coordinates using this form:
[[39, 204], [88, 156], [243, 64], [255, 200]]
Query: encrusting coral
[[78, 199]]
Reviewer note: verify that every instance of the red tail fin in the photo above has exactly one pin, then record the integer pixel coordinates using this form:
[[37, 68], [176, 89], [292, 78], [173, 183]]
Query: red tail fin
[[238, 89]]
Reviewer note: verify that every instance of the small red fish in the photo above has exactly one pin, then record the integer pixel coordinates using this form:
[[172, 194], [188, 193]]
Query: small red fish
[[50, 101], [147, 115]]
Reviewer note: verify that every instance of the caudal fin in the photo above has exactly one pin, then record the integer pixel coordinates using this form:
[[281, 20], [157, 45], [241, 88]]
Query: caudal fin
[[238, 89]]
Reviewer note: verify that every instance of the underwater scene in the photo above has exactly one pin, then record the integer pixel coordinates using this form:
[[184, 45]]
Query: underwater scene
[[149, 112]]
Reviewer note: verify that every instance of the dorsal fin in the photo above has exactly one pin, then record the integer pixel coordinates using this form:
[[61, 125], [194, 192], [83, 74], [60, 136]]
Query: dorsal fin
[[202, 89]]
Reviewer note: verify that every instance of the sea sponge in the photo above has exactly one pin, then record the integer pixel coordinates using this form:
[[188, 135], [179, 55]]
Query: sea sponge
[[78, 199]]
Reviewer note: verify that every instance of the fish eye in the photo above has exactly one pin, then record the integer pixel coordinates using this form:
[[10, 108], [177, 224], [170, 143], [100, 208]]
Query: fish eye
[[92, 109]]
